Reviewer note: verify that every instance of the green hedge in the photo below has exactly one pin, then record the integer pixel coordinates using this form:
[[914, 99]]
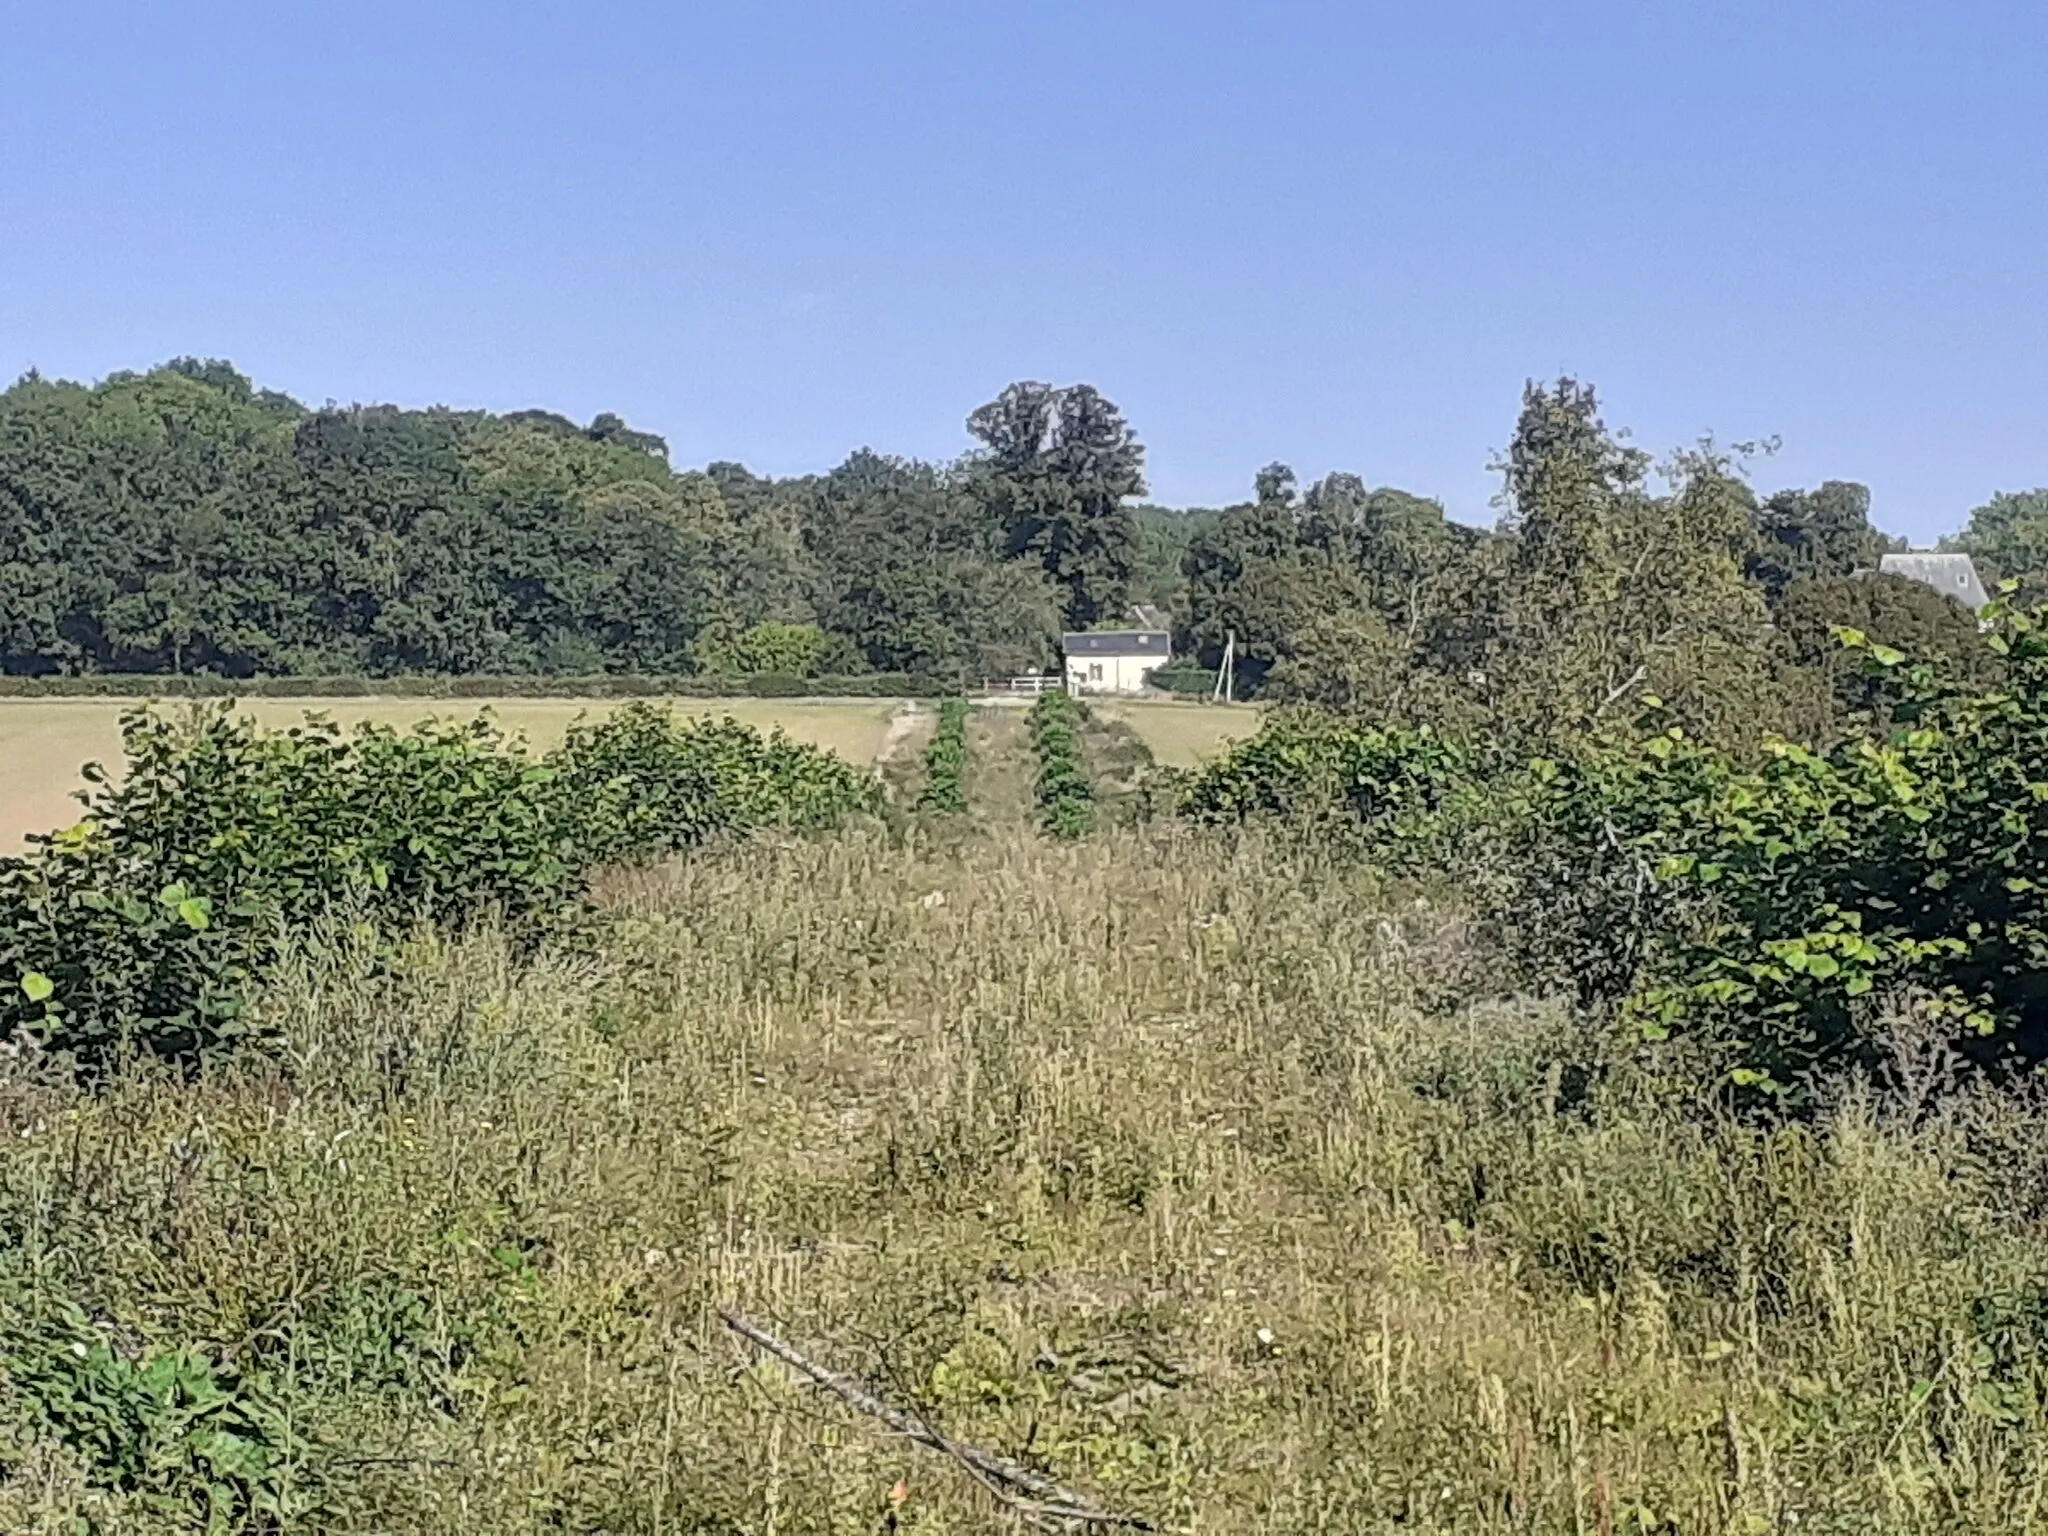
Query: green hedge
[[1176, 679], [945, 761], [1066, 795], [755, 685], [148, 923]]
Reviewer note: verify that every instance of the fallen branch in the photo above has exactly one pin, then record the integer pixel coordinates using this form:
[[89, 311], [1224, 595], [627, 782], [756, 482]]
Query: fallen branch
[[1019, 1487]]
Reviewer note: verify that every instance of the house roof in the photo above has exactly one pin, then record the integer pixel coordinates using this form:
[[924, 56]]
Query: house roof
[[1118, 642], [1952, 575]]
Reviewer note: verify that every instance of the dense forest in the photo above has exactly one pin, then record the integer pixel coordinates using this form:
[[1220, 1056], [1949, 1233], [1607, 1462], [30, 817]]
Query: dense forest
[[186, 521]]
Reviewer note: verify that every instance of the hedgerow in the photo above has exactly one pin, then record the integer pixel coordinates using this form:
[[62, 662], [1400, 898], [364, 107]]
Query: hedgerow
[[1066, 794], [148, 921], [945, 760], [473, 685]]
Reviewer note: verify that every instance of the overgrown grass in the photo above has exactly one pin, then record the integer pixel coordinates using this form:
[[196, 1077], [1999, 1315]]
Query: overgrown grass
[[1210, 1177]]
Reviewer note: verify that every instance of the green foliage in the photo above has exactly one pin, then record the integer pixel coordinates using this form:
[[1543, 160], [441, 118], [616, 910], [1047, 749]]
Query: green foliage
[[612, 685], [1066, 792], [2008, 536], [148, 921], [1815, 535], [184, 1435], [1057, 469], [945, 761], [635, 784], [181, 523], [1179, 678], [1768, 905], [791, 650], [1309, 764], [1878, 866], [1828, 687]]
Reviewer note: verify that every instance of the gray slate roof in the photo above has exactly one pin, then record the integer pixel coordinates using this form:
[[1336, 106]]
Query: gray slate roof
[[1118, 642], [1951, 575]]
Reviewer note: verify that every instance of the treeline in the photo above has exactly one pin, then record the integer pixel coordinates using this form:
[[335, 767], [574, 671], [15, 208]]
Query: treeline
[[185, 522], [1608, 578]]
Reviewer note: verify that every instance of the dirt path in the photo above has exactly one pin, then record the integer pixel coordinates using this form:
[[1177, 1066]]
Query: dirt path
[[898, 759], [1000, 768]]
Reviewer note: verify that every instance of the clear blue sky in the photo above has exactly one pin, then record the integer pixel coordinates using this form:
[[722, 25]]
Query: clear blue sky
[[1336, 234]]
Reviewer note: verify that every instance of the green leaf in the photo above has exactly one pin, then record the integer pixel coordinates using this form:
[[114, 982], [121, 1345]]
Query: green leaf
[[196, 912], [37, 986]]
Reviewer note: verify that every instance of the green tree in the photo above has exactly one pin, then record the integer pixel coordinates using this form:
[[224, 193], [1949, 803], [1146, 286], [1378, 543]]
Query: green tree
[[1830, 688], [915, 575], [1058, 466], [1610, 592], [2008, 537], [1819, 533]]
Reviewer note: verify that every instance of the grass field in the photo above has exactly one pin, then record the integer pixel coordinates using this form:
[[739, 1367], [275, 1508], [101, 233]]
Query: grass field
[[1207, 1176], [1181, 734], [44, 742]]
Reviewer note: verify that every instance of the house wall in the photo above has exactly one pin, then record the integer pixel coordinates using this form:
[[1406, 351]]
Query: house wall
[[1111, 674]]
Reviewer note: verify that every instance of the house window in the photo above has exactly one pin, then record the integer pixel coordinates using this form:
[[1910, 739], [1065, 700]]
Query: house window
[[1094, 671]]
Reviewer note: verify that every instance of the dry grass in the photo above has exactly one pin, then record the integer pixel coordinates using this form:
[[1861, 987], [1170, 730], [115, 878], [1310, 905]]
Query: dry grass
[[1208, 1177], [44, 742]]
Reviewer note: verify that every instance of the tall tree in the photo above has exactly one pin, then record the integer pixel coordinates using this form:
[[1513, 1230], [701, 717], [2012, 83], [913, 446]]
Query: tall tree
[[1611, 592], [1057, 469], [916, 577], [1803, 535], [2008, 536]]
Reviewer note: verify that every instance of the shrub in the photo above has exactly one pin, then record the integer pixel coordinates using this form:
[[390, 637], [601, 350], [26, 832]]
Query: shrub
[[1066, 795], [945, 760], [1309, 763], [148, 921], [1767, 906], [1912, 863], [637, 784], [1180, 678]]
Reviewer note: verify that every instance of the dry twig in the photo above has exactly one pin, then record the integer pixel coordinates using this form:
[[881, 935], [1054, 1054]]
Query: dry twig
[[1019, 1487]]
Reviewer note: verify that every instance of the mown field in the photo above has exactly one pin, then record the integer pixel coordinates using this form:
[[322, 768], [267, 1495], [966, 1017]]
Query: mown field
[[44, 742]]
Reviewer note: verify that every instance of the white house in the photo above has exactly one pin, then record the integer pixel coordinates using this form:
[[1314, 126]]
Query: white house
[[1114, 660], [1951, 575]]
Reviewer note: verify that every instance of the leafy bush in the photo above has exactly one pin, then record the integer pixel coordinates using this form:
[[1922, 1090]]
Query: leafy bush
[[1310, 763], [945, 760], [1908, 864], [1066, 795], [148, 920], [1180, 678], [184, 1435], [636, 784], [1769, 905]]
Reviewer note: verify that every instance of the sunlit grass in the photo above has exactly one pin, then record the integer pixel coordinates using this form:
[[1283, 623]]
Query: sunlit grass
[[1211, 1177]]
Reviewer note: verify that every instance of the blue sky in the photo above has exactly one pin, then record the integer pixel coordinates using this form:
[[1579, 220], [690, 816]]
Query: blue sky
[[1341, 235]]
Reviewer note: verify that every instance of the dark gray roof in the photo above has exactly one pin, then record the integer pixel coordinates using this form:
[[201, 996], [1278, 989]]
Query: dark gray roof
[[1118, 642], [1952, 575]]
